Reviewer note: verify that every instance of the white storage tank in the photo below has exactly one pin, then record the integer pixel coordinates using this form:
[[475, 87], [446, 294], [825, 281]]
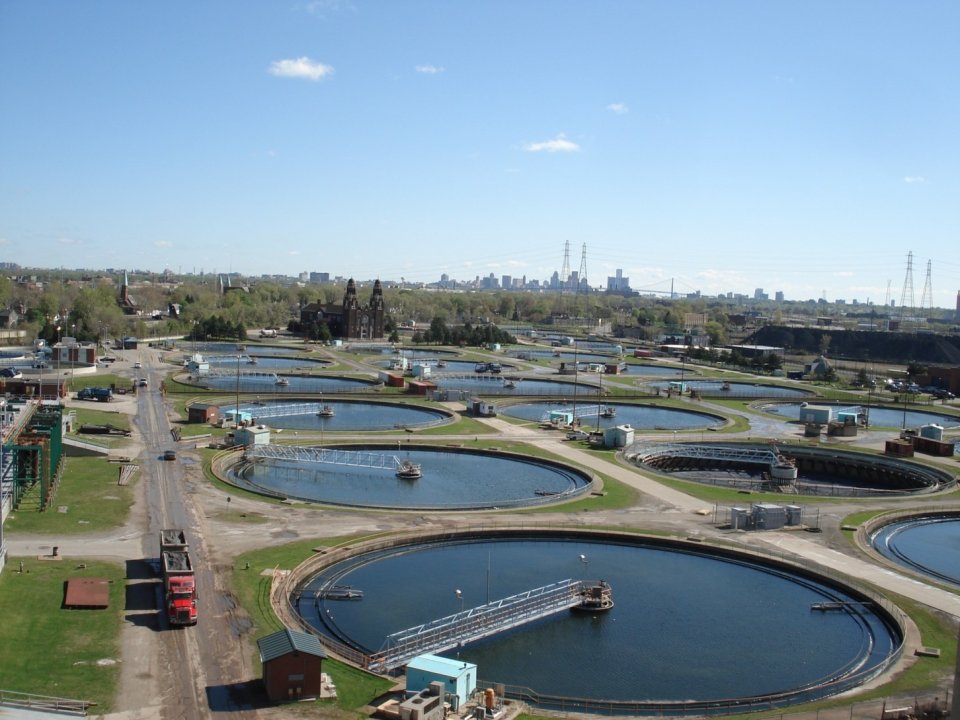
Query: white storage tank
[[794, 514]]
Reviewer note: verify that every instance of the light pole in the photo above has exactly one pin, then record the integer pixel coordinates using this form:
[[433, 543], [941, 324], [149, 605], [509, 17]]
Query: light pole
[[583, 559], [56, 347], [237, 417], [459, 595]]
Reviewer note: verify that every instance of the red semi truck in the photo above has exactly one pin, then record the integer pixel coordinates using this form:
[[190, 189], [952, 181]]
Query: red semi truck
[[179, 583]]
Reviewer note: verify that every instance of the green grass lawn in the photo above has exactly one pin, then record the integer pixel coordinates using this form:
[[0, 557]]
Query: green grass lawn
[[355, 688], [98, 416], [106, 380], [47, 650], [89, 493]]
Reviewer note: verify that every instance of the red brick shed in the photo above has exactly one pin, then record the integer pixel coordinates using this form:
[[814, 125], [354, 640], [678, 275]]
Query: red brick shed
[[420, 387], [202, 413], [291, 665]]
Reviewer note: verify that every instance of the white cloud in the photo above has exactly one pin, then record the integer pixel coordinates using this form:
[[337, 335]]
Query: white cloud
[[558, 144], [302, 67], [163, 243], [67, 241], [293, 252], [618, 108], [911, 179], [430, 69]]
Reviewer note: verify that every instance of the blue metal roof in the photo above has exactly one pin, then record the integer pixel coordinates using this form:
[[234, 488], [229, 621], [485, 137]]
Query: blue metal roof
[[440, 665]]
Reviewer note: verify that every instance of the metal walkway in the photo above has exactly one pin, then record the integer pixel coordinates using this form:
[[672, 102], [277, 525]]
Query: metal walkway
[[273, 410], [475, 624], [645, 452], [220, 372], [483, 377], [327, 456], [580, 411]]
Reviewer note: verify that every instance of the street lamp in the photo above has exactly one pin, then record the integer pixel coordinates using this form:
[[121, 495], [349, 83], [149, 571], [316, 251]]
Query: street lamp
[[459, 595], [583, 559], [237, 416], [56, 347]]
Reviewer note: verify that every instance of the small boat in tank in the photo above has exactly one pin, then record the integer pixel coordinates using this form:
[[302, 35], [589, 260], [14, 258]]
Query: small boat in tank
[[326, 411], [407, 470], [282, 381], [725, 386], [608, 411], [252, 360], [441, 363]]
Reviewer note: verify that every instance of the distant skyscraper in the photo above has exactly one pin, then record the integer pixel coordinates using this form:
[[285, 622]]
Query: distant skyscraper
[[618, 283], [506, 282], [958, 306], [779, 296]]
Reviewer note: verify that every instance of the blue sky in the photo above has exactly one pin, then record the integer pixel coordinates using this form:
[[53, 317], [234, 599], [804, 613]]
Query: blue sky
[[800, 146]]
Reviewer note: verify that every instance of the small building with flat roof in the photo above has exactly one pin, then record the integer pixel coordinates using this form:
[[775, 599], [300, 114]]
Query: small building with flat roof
[[458, 677]]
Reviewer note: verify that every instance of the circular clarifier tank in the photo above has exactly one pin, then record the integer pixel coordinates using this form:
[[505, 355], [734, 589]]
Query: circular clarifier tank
[[814, 471], [603, 415], [719, 388], [879, 416], [692, 629], [264, 382], [343, 415], [928, 544], [450, 478]]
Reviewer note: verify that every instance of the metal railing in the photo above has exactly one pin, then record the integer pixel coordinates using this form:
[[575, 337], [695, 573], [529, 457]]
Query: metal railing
[[11, 698], [476, 623]]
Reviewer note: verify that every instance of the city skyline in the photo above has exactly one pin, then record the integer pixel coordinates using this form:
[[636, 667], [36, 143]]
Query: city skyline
[[796, 147]]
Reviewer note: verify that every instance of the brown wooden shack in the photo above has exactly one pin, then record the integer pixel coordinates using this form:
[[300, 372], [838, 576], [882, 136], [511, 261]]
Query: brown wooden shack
[[291, 665]]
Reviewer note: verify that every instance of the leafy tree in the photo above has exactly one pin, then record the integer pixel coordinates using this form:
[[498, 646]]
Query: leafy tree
[[916, 369], [772, 361]]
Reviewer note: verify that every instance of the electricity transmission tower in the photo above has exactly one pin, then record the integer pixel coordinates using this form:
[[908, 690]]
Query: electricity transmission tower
[[926, 297], [565, 269], [582, 275], [906, 298]]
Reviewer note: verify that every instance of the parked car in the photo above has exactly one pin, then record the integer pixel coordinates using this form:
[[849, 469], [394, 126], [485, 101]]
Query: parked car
[[169, 454], [577, 435], [137, 365], [11, 373], [143, 382]]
